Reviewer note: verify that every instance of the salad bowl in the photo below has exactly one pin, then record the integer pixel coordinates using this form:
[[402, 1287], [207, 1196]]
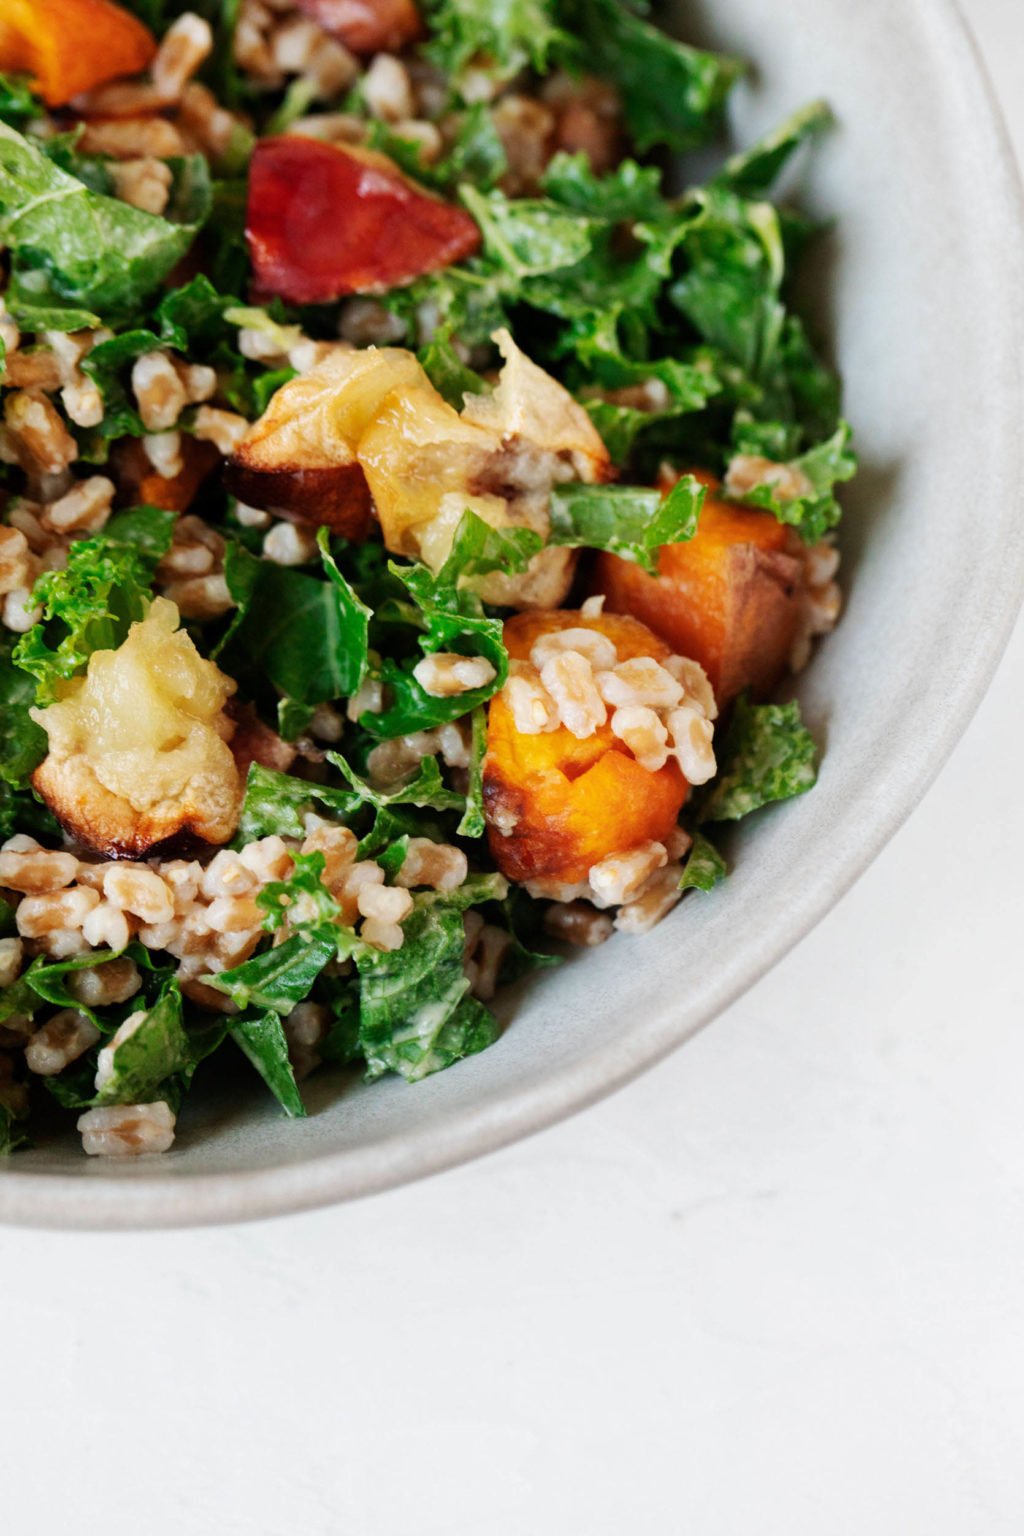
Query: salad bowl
[[924, 306]]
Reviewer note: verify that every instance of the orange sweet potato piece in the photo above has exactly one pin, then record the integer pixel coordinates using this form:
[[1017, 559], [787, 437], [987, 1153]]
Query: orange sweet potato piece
[[69, 46], [729, 598], [556, 805], [141, 486]]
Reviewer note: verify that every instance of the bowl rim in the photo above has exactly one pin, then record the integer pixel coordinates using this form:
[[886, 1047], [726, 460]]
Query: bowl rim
[[54, 1200]]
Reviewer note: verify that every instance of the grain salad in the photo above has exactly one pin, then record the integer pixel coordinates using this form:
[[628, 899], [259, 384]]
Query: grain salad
[[412, 505]]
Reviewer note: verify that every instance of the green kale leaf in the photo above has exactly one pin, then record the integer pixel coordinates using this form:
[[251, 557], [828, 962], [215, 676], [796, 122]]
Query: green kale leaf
[[261, 1037], [415, 1017], [157, 1049], [75, 247], [673, 94], [768, 754], [501, 36], [630, 521], [90, 605], [308, 636], [705, 867], [823, 467]]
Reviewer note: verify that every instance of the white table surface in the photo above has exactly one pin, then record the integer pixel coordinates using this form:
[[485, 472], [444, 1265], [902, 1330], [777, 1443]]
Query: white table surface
[[776, 1287]]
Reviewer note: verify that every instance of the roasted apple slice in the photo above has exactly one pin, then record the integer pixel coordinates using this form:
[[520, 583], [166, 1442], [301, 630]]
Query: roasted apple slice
[[70, 46], [138, 746], [300, 459], [556, 803], [528, 406], [426, 464], [371, 424], [730, 597], [325, 220], [367, 26]]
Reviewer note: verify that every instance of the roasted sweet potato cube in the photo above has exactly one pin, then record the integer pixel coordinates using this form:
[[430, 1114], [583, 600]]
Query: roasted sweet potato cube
[[556, 805], [139, 485], [729, 598], [70, 46]]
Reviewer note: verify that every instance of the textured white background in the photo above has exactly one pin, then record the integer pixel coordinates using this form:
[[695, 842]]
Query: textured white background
[[774, 1288]]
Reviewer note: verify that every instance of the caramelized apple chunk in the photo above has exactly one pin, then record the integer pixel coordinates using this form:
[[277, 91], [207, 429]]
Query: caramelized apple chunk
[[563, 789], [730, 597], [138, 746], [371, 424], [323, 220], [299, 459]]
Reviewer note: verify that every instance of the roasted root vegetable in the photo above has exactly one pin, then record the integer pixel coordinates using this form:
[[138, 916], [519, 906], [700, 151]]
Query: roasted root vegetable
[[556, 803], [139, 485], [324, 220], [370, 425], [367, 26], [70, 46], [138, 746], [730, 597]]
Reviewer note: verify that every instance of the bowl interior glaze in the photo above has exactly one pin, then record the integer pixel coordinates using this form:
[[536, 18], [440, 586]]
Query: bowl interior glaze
[[923, 296]]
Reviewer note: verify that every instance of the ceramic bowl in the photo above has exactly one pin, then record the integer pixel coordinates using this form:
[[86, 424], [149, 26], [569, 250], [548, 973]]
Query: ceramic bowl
[[924, 300]]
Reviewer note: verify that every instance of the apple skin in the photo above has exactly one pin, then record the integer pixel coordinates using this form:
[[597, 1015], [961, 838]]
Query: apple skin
[[325, 220], [367, 26], [334, 496]]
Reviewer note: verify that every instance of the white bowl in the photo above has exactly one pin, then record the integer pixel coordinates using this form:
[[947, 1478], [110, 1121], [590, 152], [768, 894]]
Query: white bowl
[[926, 298]]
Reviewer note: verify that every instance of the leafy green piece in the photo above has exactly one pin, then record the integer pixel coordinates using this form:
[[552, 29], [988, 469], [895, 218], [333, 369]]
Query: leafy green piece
[[340, 1045], [261, 1037], [472, 823], [448, 373], [704, 868], [12, 1136], [689, 388], [673, 94], [90, 605], [18, 102], [753, 172], [730, 291], [415, 1018], [302, 901], [105, 365], [823, 466], [193, 314], [631, 521], [452, 618], [423, 789], [73, 246], [478, 550], [275, 803], [304, 634], [630, 191], [528, 236], [502, 36], [157, 1049], [477, 154], [281, 977], [354, 618], [24, 741], [768, 754], [147, 530]]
